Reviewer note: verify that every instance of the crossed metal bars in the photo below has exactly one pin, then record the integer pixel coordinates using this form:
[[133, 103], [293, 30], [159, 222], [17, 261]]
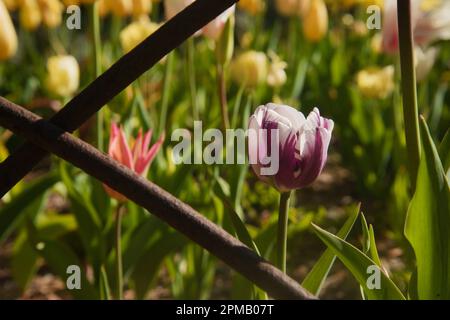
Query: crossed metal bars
[[54, 136]]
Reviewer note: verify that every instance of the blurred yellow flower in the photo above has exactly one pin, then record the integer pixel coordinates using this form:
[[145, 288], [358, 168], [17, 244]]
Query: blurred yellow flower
[[141, 7], [12, 4], [51, 11], [376, 82], [30, 14], [376, 43], [276, 76], [249, 68], [120, 8], [136, 32], [63, 75], [315, 22], [8, 36], [365, 3], [291, 8], [253, 7]]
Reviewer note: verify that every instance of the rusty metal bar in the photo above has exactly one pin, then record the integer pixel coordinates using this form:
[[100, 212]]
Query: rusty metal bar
[[113, 81], [148, 195]]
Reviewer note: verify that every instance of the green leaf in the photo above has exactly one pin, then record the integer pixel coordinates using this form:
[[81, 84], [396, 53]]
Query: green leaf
[[366, 236], [238, 225], [15, 211], [23, 261], [444, 153], [373, 251], [359, 265], [60, 256], [105, 291], [146, 269], [428, 223], [242, 234], [316, 277]]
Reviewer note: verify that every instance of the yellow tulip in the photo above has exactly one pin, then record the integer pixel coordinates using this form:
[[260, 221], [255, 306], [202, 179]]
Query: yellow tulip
[[30, 14], [253, 7], [51, 11], [315, 21], [291, 8], [12, 4], [63, 76], [136, 32], [141, 7], [375, 82], [8, 36], [120, 8], [276, 76], [250, 68]]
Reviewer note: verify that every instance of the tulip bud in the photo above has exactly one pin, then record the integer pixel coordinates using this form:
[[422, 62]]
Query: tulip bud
[[296, 146], [225, 43], [249, 68], [315, 22], [12, 5], [63, 75], [142, 7], [375, 82], [121, 8], [30, 14], [253, 7], [291, 8], [8, 36], [51, 11], [135, 33]]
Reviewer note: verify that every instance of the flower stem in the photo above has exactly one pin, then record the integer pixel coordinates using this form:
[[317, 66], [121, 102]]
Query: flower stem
[[223, 96], [105, 293], [283, 218], [96, 38], [119, 268], [410, 107], [191, 76], [166, 92]]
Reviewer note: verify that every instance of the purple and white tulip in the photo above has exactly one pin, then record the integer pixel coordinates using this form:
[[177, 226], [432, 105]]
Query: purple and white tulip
[[285, 148], [428, 25]]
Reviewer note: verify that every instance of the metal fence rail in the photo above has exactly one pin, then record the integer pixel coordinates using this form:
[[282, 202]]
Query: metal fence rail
[[148, 195], [113, 81], [54, 136]]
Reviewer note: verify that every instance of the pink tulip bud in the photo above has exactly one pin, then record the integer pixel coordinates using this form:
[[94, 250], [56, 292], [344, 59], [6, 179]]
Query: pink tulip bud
[[296, 146], [138, 158]]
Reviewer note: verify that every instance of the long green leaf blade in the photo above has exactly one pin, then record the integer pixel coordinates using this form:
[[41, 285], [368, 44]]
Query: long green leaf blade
[[428, 223], [359, 265], [316, 277]]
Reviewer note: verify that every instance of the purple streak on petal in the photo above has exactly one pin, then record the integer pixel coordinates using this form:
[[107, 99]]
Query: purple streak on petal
[[289, 164]]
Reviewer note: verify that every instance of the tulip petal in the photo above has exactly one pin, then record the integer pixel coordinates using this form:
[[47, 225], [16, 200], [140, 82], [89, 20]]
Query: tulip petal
[[120, 151], [144, 162]]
